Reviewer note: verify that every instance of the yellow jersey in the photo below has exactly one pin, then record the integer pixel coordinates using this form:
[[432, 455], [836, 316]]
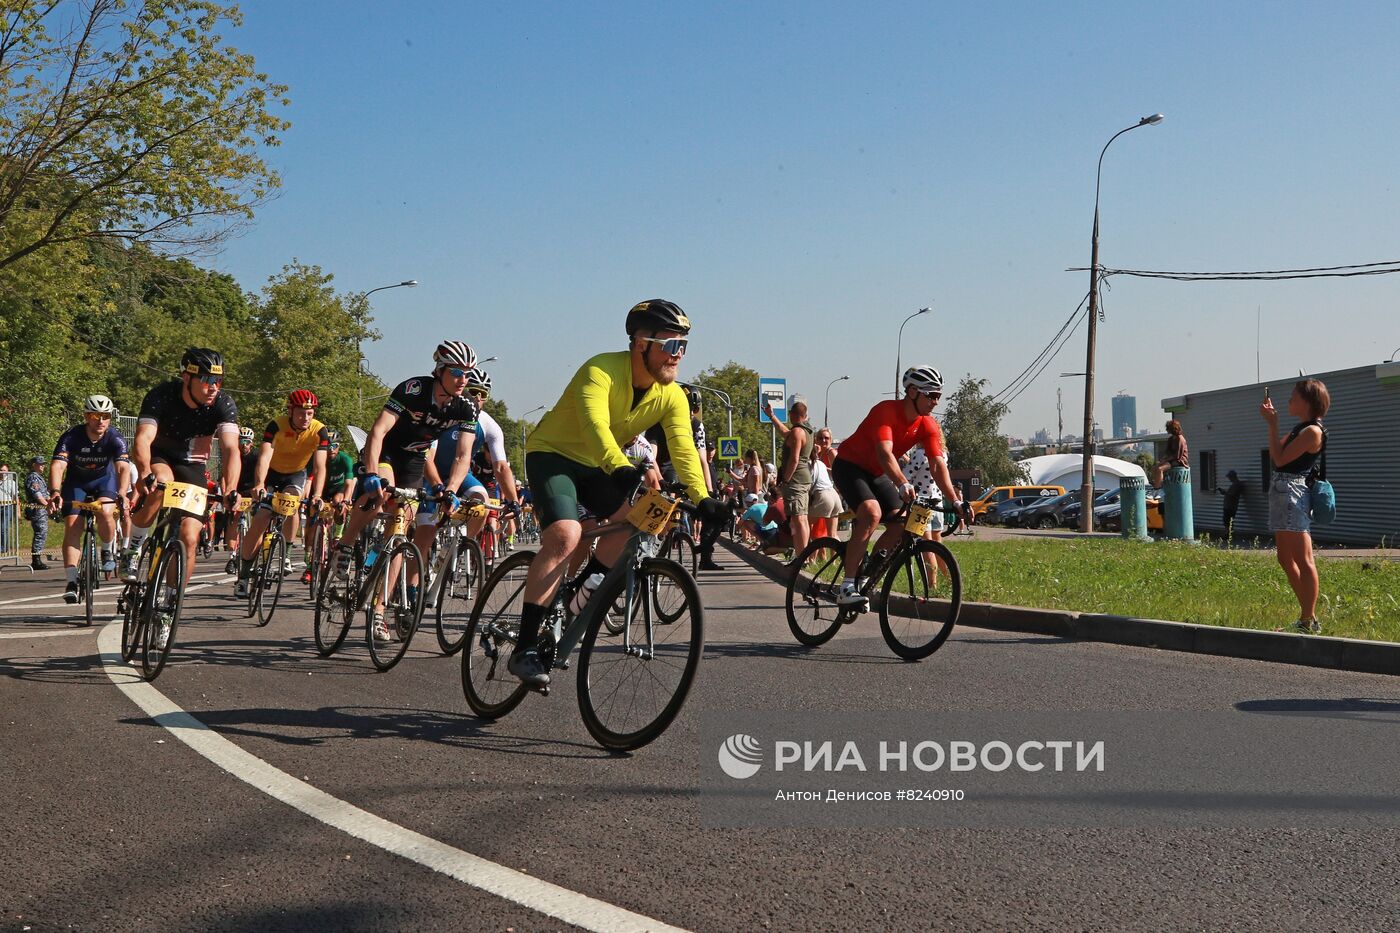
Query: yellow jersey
[[292, 450]]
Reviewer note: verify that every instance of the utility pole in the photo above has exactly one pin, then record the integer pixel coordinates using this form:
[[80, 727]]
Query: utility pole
[[1060, 408]]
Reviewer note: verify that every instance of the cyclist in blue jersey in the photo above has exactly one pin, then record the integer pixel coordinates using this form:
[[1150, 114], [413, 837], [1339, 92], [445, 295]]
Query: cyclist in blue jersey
[[88, 466]]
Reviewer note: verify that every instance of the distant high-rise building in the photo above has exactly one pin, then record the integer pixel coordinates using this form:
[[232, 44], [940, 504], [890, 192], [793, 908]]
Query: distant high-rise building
[[1042, 437], [1124, 415]]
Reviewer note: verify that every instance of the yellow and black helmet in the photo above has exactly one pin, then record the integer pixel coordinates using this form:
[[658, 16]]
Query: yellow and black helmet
[[202, 360], [657, 314]]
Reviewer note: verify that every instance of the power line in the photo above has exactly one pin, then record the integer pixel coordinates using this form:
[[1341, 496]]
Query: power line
[[1016, 386], [1268, 275]]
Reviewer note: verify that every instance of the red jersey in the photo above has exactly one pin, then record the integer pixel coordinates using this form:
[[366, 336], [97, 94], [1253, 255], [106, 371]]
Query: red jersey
[[886, 422]]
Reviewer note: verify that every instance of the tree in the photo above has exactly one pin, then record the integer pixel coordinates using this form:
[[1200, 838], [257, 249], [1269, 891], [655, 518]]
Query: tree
[[741, 384], [972, 428], [128, 119]]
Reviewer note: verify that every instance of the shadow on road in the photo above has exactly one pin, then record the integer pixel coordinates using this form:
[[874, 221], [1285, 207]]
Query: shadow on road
[[80, 670], [1352, 708]]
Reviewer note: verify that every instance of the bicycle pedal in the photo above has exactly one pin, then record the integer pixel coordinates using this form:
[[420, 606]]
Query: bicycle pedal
[[563, 665], [542, 690]]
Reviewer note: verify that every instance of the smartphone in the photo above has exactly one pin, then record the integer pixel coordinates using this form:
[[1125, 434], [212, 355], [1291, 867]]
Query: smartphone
[[1266, 393]]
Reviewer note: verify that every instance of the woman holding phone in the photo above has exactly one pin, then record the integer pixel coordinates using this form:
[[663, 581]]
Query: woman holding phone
[[1294, 458]]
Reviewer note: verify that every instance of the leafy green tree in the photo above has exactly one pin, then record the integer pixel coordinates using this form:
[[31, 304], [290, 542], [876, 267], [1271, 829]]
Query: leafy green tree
[[308, 336], [972, 427], [741, 385], [130, 119]]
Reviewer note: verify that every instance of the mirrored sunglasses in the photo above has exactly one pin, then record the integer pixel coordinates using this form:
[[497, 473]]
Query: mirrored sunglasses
[[99, 415], [671, 346], [456, 373], [210, 379]]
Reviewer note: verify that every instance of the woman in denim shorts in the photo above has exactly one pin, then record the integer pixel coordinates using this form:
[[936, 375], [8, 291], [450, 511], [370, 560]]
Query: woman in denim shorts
[[1290, 518]]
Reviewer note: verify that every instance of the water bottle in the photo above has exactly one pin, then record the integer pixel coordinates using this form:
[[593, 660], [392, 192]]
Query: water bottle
[[370, 556], [585, 593]]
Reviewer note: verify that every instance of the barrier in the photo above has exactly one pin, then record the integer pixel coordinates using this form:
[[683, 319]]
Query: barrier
[[1176, 505], [9, 518], [1132, 507]]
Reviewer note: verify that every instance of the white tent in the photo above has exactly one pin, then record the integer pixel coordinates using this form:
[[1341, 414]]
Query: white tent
[[1067, 470]]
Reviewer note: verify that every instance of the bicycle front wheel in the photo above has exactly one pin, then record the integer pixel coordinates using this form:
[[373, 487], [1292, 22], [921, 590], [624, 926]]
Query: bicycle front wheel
[[334, 614], [681, 549], [920, 600], [87, 574], [631, 687], [490, 689], [270, 580], [402, 604], [162, 609], [133, 605], [461, 582], [317, 555], [812, 612]]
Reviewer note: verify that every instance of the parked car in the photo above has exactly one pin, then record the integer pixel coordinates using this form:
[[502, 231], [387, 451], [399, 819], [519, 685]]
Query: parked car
[[1045, 513], [1111, 519], [998, 515], [999, 494], [1069, 517]]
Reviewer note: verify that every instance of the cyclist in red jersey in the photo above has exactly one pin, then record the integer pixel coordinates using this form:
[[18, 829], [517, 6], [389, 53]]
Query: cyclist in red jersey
[[867, 473]]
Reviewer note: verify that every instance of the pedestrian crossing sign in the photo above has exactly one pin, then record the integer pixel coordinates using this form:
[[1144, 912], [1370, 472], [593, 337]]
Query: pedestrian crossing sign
[[728, 448]]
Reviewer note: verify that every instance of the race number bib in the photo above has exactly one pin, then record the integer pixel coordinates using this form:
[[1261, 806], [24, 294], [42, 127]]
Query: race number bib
[[244, 504], [469, 510], [285, 503], [185, 497], [652, 513], [917, 522]]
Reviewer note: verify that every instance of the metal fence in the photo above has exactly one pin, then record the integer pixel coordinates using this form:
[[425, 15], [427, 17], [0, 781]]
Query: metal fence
[[9, 518]]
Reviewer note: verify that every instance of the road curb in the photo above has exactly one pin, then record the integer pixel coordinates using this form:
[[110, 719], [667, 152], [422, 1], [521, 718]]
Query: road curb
[[1346, 654]]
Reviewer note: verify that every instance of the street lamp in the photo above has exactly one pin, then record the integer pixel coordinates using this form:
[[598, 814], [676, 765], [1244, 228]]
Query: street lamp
[[360, 347], [826, 409], [489, 359], [899, 345], [1086, 491]]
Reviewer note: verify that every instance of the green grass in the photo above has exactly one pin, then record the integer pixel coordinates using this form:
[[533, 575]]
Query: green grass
[[1179, 582]]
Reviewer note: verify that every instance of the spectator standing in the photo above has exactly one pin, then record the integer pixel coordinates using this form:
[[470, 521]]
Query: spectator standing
[[750, 477], [795, 468], [1176, 455], [36, 497], [823, 449], [1295, 459], [824, 503], [1234, 491]]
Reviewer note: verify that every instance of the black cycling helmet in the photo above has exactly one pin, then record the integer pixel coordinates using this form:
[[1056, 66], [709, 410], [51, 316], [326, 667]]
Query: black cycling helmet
[[657, 314], [202, 360], [694, 396]]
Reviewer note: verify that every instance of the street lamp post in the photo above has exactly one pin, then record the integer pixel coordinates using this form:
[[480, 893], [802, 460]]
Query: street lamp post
[[723, 400], [898, 349], [522, 438], [360, 347], [826, 409], [1086, 491]]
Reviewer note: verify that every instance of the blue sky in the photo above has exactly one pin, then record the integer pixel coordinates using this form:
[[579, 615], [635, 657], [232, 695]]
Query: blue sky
[[802, 176]]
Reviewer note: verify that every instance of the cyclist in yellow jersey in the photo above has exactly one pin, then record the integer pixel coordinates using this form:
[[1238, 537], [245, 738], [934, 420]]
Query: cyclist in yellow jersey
[[290, 444], [574, 457]]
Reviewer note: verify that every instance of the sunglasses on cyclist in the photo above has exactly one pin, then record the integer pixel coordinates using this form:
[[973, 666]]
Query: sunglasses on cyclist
[[99, 416], [671, 346], [932, 396], [456, 373], [210, 379], [477, 393]]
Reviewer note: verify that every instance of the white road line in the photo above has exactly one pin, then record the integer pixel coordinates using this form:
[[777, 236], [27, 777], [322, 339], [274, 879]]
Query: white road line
[[49, 633], [518, 887], [58, 594]]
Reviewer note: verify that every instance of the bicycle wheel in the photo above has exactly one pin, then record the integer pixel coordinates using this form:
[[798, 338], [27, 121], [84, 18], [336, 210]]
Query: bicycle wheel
[[87, 573], [333, 614], [492, 691], [402, 609], [132, 602], [812, 613], [920, 600], [461, 582], [270, 579], [317, 554], [162, 599], [681, 549], [630, 688]]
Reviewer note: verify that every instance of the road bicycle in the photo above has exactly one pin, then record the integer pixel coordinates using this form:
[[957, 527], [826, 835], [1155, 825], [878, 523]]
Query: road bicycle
[[150, 603], [679, 546], [265, 584], [919, 590], [457, 569], [380, 568], [634, 675], [324, 530]]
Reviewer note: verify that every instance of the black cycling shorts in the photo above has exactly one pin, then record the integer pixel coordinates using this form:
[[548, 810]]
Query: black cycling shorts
[[561, 485], [407, 469], [857, 485], [286, 482], [185, 471]]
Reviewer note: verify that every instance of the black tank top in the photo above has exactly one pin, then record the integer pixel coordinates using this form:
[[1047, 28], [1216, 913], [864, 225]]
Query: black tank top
[[1303, 464]]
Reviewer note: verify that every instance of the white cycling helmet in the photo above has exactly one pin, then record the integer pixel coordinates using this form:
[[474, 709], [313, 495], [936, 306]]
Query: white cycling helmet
[[99, 403], [454, 353], [925, 379], [245, 435], [479, 379]]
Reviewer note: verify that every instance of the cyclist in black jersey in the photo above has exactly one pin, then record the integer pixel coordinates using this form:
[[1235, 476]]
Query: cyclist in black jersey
[[179, 422], [395, 452]]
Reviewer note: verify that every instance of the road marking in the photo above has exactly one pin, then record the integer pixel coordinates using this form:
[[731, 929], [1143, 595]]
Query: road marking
[[518, 887], [49, 633], [58, 594]]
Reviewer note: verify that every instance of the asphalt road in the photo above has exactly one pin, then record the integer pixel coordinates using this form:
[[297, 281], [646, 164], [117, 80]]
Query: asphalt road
[[116, 824]]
